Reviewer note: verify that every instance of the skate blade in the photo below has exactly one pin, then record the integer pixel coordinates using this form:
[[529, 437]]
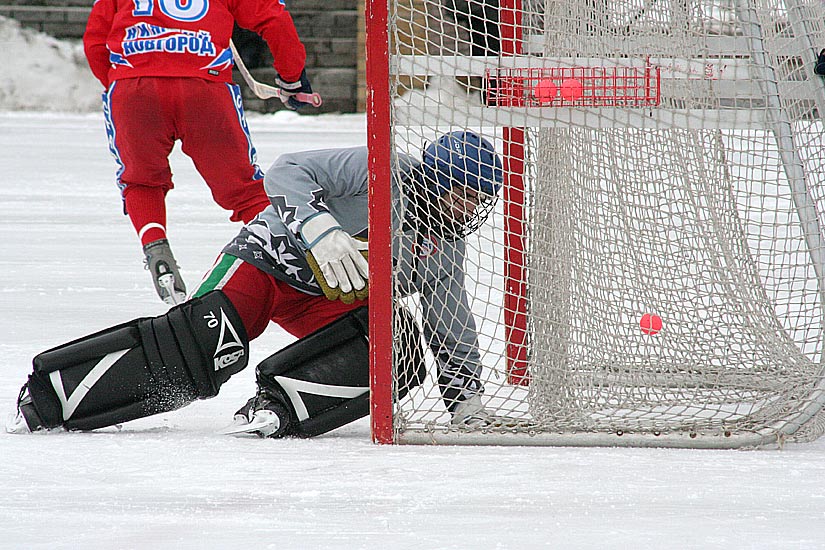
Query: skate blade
[[173, 297], [16, 424], [263, 423]]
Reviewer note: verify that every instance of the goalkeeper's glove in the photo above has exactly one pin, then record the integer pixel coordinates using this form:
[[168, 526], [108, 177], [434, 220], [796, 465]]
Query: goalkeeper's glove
[[338, 260], [820, 64], [290, 89]]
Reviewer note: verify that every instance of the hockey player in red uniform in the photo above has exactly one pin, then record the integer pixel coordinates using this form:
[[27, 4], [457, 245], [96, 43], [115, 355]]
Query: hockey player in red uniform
[[167, 69]]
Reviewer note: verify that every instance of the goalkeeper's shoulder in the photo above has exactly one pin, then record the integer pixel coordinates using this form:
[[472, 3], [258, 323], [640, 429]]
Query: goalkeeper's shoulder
[[338, 172]]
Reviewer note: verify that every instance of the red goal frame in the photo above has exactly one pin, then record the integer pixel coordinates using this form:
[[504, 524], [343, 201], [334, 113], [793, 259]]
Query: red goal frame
[[379, 141], [380, 220]]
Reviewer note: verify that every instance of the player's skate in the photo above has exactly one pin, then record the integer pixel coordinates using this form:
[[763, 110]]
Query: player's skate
[[471, 414], [261, 416], [26, 419], [164, 270]]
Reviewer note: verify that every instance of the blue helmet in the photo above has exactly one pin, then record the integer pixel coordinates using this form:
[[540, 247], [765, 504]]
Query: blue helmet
[[463, 158]]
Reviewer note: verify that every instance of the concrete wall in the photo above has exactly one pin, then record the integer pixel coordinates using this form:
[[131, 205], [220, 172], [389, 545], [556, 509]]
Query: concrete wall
[[329, 30]]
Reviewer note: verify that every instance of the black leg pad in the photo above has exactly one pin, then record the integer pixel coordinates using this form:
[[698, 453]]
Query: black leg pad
[[324, 378], [140, 368]]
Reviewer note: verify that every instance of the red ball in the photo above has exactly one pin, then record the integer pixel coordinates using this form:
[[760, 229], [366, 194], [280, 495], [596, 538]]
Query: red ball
[[572, 89], [545, 91], [650, 323]]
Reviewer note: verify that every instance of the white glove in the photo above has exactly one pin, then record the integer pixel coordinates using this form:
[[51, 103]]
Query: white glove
[[338, 255]]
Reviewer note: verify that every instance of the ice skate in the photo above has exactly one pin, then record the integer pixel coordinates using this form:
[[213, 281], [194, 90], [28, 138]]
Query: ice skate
[[260, 416], [164, 270], [471, 414], [25, 420]]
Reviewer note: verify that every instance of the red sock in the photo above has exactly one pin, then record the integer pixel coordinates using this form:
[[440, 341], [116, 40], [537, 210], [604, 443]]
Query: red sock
[[146, 207]]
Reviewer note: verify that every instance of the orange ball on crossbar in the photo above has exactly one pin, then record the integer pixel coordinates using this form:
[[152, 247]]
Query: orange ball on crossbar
[[545, 90], [572, 89]]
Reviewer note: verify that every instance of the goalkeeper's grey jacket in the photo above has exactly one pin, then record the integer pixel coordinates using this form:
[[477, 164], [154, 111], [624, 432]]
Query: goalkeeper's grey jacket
[[303, 184]]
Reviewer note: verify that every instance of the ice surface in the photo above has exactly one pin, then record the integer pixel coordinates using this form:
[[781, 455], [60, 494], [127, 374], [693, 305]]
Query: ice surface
[[71, 265]]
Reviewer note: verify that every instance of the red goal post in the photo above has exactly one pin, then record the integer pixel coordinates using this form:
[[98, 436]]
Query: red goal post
[[379, 142]]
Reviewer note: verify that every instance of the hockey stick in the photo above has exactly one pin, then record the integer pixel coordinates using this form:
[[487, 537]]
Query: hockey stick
[[265, 91]]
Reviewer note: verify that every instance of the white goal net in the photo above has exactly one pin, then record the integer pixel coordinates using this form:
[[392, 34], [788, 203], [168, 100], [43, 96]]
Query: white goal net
[[652, 273]]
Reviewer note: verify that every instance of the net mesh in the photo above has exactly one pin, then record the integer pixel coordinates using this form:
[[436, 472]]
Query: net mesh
[[701, 204]]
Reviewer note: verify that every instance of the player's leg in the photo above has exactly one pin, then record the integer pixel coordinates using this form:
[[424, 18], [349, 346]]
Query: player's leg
[[140, 368], [255, 294], [321, 382], [314, 385], [260, 299], [141, 135], [215, 135]]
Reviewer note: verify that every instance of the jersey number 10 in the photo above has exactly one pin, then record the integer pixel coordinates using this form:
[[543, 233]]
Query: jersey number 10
[[179, 10]]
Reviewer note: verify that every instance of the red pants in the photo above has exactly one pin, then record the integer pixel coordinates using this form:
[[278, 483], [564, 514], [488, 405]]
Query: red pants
[[146, 115], [260, 298]]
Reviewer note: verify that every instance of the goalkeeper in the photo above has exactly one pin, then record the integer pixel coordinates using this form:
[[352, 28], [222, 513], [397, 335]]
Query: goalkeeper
[[301, 263]]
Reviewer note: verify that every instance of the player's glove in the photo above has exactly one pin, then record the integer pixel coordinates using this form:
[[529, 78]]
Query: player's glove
[[338, 261], [290, 89], [820, 64]]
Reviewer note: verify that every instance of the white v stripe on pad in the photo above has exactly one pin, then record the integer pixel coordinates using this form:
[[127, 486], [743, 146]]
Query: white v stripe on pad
[[70, 404], [292, 387]]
